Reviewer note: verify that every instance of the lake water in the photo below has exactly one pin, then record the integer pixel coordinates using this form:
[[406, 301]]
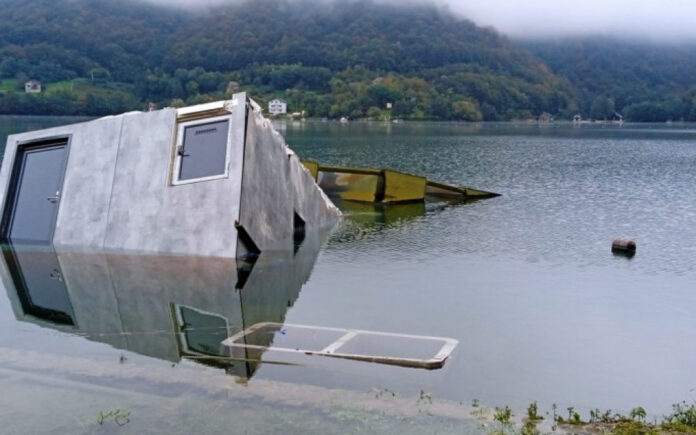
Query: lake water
[[525, 282]]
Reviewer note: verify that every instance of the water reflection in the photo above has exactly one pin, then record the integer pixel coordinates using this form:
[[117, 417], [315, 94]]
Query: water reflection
[[368, 214], [167, 307]]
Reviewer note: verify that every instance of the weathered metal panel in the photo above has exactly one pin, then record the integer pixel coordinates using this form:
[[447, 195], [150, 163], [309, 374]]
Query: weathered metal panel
[[400, 187], [386, 186], [446, 190], [351, 186], [312, 167]]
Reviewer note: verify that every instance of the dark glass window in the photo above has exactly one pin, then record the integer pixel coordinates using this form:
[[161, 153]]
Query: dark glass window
[[204, 150], [204, 332], [39, 284]]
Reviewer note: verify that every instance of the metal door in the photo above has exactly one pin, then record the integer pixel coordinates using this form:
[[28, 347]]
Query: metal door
[[32, 203]]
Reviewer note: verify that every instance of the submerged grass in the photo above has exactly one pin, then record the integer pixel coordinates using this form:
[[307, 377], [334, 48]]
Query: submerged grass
[[119, 416], [503, 415], [682, 420], [532, 421]]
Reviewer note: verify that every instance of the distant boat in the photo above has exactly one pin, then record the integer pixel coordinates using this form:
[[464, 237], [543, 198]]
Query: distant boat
[[343, 120]]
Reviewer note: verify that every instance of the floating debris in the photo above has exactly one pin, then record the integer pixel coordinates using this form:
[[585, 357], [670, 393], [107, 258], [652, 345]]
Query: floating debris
[[624, 247], [385, 185], [415, 351]]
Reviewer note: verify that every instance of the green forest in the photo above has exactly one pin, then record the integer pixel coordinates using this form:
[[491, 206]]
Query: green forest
[[98, 57]]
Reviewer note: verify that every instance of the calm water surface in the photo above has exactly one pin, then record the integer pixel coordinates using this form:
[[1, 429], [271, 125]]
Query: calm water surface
[[526, 282]]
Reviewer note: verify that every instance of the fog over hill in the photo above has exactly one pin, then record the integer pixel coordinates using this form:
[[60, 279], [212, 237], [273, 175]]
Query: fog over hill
[[333, 58], [658, 20]]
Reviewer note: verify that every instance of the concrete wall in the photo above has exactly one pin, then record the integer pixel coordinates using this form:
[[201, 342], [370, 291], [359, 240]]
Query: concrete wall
[[149, 214], [117, 192], [84, 204], [274, 185]]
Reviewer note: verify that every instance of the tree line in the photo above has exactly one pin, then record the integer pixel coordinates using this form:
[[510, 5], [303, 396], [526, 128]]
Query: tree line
[[355, 59]]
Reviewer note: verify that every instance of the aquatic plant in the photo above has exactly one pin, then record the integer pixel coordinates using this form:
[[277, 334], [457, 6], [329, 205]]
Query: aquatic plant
[[533, 412], [638, 413], [633, 428], [574, 417], [597, 416], [533, 418], [425, 397], [119, 416], [381, 392], [682, 419], [503, 415]]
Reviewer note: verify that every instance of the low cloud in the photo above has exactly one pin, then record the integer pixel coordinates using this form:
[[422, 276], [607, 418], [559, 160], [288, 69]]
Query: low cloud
[[652, 19], [656, 19]]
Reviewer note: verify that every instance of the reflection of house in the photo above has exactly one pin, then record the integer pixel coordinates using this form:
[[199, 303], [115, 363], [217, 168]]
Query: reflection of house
[[277, 107], [170, 308], [32, 87]]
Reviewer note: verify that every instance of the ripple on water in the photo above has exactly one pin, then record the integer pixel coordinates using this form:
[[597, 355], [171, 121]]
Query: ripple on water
[[566, 194]]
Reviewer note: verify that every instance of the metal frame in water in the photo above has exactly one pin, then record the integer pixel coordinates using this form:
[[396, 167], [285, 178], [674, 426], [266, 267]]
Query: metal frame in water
[[434, 362]]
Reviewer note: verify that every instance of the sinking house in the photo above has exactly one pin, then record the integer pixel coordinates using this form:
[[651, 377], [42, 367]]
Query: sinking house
[[213, 180]]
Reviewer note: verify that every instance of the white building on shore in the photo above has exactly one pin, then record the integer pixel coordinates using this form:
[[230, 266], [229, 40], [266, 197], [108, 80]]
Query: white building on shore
[[32, 87], [277, 107]]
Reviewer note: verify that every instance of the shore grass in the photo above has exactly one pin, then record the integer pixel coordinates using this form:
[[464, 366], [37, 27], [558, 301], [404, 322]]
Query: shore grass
[[682, 420], [8, 85]]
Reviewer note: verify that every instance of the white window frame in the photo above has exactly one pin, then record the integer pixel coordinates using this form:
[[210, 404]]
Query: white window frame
[[332, 349], [181, 127]]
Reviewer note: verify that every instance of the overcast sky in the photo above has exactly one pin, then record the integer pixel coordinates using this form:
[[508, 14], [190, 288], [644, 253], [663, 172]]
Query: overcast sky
[[672, 19], [655, 19]]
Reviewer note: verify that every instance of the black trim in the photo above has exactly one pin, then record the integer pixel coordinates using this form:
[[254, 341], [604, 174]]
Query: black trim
[[244, 240], [244, 268], [17, 169], [53, 316], [246, 248], [299, 231]]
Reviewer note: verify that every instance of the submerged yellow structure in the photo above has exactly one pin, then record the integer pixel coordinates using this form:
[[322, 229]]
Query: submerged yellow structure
[[385, 185]]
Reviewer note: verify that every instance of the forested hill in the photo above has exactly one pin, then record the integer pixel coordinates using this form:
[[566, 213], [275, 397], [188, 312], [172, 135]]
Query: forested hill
[[645, 81], [334, 59], [328, 59]]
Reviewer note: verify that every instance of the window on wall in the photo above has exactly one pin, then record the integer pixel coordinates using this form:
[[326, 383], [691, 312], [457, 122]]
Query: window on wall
[[202, 150]]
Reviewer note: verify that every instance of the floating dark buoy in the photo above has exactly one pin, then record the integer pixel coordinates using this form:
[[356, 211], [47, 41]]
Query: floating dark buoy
[[625, 247]]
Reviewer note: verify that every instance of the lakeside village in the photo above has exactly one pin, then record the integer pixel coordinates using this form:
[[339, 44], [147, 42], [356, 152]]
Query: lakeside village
[[280, 109]]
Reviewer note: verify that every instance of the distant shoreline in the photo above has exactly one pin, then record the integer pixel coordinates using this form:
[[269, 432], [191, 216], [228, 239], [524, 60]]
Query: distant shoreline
[[400, 121]]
